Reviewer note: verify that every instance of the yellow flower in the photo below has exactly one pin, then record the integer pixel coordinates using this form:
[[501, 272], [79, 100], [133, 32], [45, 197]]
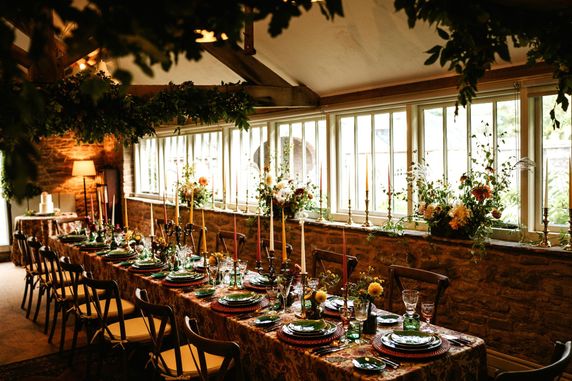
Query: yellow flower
[[375, 289], [460, 215], [429, 211], [269, 180], [213, 260], [137, 237], [320, 296]]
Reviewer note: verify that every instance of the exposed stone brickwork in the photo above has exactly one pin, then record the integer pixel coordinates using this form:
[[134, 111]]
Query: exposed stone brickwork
[[57, 155], [518, 299]]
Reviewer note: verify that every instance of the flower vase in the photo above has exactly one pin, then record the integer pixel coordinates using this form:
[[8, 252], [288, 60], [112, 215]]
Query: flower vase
[[314, 312], [370, 325]]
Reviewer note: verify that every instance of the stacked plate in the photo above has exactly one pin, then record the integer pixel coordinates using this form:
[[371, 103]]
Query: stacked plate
[[146, 265], [183, 277], [309, 332], [259, 280], [334, 303], [411, 341], [240, 299], [72, 238], [118, 255]]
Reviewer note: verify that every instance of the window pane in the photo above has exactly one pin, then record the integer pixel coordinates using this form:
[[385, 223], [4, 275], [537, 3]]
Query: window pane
[[175, 159], [508, 152], [345, 168], [400, 165], [481, 128], [556, 149], [456, 144], [148, 166], [381, 161], [363, 150], [433, 140]]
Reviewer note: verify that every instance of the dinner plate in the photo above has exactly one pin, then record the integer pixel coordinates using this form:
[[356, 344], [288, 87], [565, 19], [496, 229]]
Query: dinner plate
[[259, 280], [304, 326], [266, 319], [386, 341], [335, 303], [159, 275], [204, 292], [388, 319], [118, 253], [368, 364], [146, 263], [329, 330], [183, 276], [72, 238], [239, 297], [242, 303], [411, 338]]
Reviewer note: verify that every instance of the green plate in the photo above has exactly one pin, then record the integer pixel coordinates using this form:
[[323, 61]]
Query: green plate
[[266, 319], [147, 263], [159, 275], [125, 263], [118, 253], [307, 326], [239, 297], [412, 338], [103, 252], [387, 319], [369, 364], [204, 292]]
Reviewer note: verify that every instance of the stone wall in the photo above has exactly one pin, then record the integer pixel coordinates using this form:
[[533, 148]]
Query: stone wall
[[517, 298], [57, 155]]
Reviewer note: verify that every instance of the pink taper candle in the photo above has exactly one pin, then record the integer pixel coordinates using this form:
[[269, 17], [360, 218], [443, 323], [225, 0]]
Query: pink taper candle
[[344, 261], [235, 241], [258, 255]]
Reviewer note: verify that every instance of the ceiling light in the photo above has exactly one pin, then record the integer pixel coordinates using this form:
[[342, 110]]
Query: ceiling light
[[208, 36]]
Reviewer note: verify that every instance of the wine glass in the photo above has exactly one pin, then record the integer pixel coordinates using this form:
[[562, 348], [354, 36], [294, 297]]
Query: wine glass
[[272, 293], [242, 265], [284, 284], [345, 317], [213, 273], [427, 311], [410, 298], [361, 312]]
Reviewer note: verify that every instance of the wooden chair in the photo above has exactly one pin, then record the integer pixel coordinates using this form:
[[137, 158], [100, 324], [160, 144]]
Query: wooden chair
[[324, 257], [122, 333], [277, 246], [31, 276], [41, 273], [560, 360], [181, 361], [207, 349], [224, 235], [45, 286], [68, 225], [397, 273]]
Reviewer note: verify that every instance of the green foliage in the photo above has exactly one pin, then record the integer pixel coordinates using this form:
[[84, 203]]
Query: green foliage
[[476, 32], [194, 189]]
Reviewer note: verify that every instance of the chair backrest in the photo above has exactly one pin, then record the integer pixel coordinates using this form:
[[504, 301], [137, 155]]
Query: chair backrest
[[190, 230], [397, 273], [277, 245], [54, 271], [23, 248], [227, 349], [68, 225], [101, 304], [323, 257], [153, 313], [224, 236], [74, 272], [560, 360], [34, 246]]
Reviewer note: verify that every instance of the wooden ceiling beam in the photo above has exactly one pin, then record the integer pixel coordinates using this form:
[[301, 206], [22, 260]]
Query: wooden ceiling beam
[[246, 66], [20, 56]]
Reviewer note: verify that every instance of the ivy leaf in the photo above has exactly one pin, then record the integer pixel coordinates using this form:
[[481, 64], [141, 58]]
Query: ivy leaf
[[434, 51], [444, 35], [503, 52]]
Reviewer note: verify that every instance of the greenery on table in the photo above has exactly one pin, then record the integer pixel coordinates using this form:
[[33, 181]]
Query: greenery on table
[[160, 33], [476, 32]]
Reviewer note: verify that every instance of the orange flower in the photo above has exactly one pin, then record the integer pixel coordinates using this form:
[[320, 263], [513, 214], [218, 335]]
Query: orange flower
[[203, 181], [482, 192]]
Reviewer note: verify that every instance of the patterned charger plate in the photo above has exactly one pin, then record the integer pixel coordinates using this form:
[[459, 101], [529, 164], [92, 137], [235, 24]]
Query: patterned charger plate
[[249, 286], [216, 306], [310, 342], [441, 350], [165, 282]]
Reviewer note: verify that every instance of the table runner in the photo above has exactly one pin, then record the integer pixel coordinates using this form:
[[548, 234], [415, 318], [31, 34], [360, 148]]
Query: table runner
[[265, 357]]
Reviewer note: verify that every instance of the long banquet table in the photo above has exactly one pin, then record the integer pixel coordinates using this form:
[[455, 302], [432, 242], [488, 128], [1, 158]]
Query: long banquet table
[[264, 356]]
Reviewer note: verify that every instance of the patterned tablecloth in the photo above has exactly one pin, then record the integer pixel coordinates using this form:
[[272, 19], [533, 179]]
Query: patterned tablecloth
[[265, 356]]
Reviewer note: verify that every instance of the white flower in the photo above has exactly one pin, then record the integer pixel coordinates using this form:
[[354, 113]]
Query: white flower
[[269, 180]]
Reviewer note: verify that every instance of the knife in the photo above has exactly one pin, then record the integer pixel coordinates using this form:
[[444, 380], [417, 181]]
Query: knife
[[330, 350]]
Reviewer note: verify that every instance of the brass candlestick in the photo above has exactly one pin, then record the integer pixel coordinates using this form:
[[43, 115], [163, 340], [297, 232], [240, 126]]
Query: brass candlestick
[[568, 246], [234, 286], [350, 221], [366, 223], [224, 200], [389, 208], [246, 207], [321, 216], [304, 280], [545, 242], [236, 200]]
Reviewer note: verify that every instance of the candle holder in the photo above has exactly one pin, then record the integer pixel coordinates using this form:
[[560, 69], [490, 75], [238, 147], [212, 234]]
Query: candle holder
[[234, 286], [224, 206], [171, 229], [320, 216], [304, 281], [271, 269], [99, 237], [366, 223], [246, 207], [568, 246], [285, 266], [350, 221], [389, 209], [545, 242], [236, 202]]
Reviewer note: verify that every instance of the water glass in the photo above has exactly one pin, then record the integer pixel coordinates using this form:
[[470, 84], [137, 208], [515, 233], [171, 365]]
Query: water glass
[[427, 311], [284, 284], [242, 266], [272, 294], [345, 317], [213, 274], [361, 311], [410, 298]]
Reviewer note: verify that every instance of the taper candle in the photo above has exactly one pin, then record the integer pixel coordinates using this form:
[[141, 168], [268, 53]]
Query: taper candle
[[99, 209], [92, 210], [113, 212], [176, 207], [366, 174], [152, 222], [164, 209], [125, 217], [546, 184], [271, 246], [302, 247], [344, 261], [235, 241], [284, 255], [192, 206], [204, 233], [258, 254]]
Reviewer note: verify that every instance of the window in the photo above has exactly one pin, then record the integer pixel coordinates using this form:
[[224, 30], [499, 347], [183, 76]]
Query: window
[[381, 139], [556, 149], [175, 157], [449, 142], [205, 153], [148, 164]]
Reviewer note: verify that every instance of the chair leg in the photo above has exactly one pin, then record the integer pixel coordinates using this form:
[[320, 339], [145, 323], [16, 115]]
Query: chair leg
[[25, 292], [57, 308], [76, 329], [39, 302], [49, 298], [32, 286], [65, 315]]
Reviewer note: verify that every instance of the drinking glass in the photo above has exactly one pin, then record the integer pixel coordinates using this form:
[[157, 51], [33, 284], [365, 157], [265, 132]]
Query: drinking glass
[[242, 265], [360, 311], [345, 317], [427, 311], [213, 273], [313, 283], [284, 284], [410, 298], [272, 294]]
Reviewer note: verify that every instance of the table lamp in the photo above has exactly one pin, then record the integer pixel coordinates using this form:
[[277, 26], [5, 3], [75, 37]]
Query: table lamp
[[83, 168]]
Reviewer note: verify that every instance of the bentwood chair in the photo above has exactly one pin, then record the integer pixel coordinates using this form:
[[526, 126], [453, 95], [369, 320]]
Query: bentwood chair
[[560, 360], [322, 259], [122, 333], [224, 236], [398, 273], [32, 274], [277, 247]]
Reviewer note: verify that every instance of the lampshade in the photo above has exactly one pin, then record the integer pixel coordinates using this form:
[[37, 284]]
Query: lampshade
[[83, 168]]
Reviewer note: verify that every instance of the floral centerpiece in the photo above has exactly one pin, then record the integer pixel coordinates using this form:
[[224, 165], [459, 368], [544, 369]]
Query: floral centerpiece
[[368, 287], [284, 193], [468, 209], [192, 189]]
